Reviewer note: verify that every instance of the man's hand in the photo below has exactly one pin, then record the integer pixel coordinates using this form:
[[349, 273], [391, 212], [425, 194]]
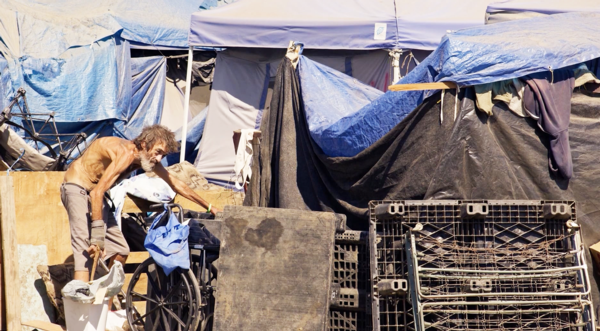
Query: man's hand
[[214, 210], [93, 250]]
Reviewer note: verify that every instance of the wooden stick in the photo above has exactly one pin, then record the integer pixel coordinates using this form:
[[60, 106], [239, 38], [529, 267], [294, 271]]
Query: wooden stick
[[422, 86], [96, 256], [10, 256]]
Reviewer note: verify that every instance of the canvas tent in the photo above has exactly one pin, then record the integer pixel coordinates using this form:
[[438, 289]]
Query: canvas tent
[[330, 26]]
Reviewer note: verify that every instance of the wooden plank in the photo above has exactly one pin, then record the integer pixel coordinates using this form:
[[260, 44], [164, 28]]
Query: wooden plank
[[41, 325], [218, 199], [9, 249], [422, 86], [140, 306], [140, 287], [137, 257]]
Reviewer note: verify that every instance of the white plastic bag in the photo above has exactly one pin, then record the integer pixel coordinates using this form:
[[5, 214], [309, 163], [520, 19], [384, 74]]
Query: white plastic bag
[[86, 304]]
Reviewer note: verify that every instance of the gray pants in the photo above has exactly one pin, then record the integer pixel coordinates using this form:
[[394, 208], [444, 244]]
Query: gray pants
[[78, 204]]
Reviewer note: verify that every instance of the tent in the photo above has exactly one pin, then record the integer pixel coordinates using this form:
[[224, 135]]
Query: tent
[[351, 36], [334, 24], [466, 58], [509, 10], [74, 59]]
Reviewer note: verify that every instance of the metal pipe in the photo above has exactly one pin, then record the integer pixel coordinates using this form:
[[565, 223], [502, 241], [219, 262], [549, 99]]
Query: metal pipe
[[506, 303], [503, 312], [504, 271], [496, 276], [186, 105]]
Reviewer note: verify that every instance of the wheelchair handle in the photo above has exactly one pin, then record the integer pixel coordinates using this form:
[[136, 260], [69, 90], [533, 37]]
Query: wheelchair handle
[[169, 207]]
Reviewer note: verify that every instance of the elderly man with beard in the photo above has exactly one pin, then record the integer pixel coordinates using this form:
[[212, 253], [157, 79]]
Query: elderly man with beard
[[106, 162]]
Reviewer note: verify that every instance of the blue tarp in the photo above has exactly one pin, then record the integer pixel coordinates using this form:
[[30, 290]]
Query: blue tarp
[[329, 95], [334, 24], [514, 49], [148, 79], [47, 28], [473, 56], [81, 86], [73, 58]]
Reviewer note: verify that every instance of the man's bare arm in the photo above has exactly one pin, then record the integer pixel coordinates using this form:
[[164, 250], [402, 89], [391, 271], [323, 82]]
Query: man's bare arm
[[120, 162], [181, 188]]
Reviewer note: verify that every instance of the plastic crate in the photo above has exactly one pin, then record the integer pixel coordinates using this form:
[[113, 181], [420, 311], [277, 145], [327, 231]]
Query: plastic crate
[[349, 321], [350, 275], [462, 249]]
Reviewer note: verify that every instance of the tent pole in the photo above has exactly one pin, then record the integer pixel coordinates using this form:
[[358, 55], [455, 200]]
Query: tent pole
[[186, 105]]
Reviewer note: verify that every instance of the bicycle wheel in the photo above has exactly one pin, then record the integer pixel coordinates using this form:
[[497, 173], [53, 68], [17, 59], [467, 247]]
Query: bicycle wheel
[[155, 301]]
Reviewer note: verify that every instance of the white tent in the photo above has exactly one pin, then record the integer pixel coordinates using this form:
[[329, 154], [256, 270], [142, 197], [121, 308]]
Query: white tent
[[339, 28]]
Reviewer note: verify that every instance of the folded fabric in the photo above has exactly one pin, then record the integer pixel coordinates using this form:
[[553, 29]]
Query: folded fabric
[[509, 91], [547, 98]]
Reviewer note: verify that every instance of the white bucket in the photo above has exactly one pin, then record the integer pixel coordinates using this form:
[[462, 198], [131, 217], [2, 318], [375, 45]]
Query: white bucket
[[85, 316]]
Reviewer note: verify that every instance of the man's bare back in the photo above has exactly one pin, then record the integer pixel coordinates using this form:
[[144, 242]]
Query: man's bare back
[[87, 170]]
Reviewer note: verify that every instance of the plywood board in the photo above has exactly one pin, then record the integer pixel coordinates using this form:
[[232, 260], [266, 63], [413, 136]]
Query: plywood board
[[218, 199], [274, 269], [10, 265], [41, 217]]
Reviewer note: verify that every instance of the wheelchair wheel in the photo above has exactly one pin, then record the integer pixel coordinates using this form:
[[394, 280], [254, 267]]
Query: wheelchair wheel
[[165, 303]]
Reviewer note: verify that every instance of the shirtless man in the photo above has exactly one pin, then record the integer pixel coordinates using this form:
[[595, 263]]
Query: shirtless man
[[106, 162]]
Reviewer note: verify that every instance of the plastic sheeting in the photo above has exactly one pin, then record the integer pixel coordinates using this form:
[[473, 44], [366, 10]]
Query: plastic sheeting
[[503, 51], [140, 98], [475, 56], [81, 86], [335, 24], [328, 96], [148, 79], [47, 28], [240, 93], [475, 157]]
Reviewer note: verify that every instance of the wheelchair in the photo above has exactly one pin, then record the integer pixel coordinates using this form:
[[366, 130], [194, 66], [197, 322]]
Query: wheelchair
[[183, 300]]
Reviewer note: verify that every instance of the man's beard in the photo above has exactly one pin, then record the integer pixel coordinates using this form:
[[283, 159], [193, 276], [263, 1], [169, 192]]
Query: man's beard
[[147, 164]]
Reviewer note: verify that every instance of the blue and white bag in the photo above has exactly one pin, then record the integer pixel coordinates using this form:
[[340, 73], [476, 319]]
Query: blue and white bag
[[168, 244]]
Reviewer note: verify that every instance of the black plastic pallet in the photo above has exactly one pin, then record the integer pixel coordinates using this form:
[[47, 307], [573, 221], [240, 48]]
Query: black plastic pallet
[[344, 320], [350, 277]]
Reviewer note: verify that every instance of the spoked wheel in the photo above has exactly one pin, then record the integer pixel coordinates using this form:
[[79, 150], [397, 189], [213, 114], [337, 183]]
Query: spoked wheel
[[206, 292], [166, 303]]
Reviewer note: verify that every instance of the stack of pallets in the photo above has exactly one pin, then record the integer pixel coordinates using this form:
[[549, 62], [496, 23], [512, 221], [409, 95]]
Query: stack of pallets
[[478, 265]]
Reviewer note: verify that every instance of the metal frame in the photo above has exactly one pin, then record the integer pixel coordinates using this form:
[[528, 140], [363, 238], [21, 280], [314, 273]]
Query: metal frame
[[28, 120]]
